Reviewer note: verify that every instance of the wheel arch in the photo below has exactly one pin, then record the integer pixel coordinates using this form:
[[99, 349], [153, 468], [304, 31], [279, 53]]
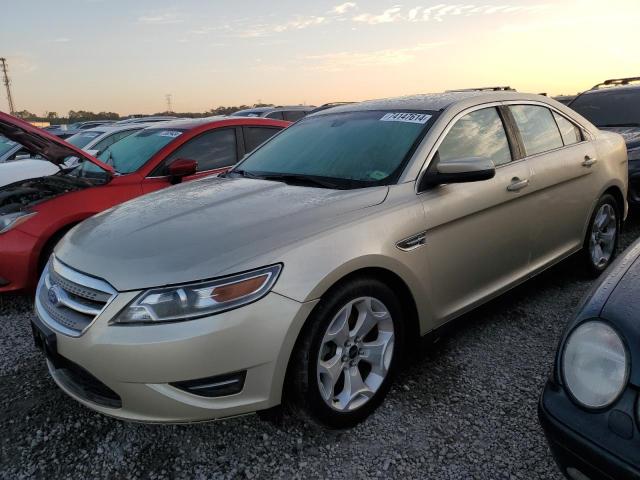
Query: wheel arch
[[614, 189], [385, 275]]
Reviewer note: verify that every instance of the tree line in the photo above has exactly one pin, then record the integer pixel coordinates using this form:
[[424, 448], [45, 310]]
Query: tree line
[[84, 115]]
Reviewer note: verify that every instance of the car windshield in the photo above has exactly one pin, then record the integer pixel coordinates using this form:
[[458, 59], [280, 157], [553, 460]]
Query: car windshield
[[130, 153], [350, 150], [6, 145], [618, 107], [82, 139]]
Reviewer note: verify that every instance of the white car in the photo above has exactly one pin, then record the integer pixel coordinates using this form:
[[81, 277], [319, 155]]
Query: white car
[[96, 140], [17, 164], [11, 172]]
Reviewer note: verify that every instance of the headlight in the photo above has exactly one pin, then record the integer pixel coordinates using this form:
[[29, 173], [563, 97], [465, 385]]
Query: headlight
[[595, 366], [186, 302], [10, 220]]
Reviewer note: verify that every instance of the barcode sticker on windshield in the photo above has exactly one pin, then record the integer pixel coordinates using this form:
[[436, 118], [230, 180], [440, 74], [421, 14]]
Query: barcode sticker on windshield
[[420, 118], [170, 133]]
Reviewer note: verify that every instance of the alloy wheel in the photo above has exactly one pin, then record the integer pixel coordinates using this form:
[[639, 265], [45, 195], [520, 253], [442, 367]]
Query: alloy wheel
[[355, 354], [603, 235]]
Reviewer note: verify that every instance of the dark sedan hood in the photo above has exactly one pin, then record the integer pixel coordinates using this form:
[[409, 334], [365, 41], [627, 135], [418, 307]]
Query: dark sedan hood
[[43, 143], [631, 135]]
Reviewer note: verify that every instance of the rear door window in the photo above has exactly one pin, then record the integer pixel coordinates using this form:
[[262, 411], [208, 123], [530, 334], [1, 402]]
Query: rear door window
[[275, 115], [212, 150], [570, 133], [256, 136], [537, 127], [294, 115], [478, 134]]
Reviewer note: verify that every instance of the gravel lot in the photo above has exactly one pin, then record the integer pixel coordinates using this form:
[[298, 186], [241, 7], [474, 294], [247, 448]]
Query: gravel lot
[[465, 409]]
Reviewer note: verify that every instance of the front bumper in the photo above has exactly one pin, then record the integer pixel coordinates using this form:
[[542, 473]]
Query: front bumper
[[18, 261], [138, 363], [573, 451]]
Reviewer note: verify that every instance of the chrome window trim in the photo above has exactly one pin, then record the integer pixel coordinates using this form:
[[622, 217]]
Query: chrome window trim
[[588, 136]]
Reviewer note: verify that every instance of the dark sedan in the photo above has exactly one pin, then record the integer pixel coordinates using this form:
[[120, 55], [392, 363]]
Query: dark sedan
[[615, 105], [590, 408]]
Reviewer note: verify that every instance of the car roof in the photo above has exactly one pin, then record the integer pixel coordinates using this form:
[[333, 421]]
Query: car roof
[[189, 123], [116, 128], [611, 90], [434, 101], [275, 109]]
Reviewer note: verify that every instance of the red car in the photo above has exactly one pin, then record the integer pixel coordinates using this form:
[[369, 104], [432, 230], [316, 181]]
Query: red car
[[36, 213]]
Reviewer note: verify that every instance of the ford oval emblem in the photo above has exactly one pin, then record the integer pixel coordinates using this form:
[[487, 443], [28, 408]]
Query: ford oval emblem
[[53, 296]]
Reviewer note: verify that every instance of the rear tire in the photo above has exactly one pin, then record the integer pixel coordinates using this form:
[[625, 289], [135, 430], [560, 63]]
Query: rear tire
[[348, 354], [603, 235]]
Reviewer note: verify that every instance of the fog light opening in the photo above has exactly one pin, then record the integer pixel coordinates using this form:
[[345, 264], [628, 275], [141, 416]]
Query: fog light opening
[[218, 386]]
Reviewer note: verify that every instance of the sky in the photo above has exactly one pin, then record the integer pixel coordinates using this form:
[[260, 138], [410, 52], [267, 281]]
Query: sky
[[126, 56]]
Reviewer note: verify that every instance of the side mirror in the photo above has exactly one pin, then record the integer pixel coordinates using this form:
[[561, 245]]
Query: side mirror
[[94, 153], [474, 169], [180, 168]]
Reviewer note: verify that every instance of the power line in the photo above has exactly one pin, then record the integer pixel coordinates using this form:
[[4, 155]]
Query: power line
[[7, 84], [168, 97]]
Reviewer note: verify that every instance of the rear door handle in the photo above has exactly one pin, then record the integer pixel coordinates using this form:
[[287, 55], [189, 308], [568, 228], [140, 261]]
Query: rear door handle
[[517, 184], [588, 161]]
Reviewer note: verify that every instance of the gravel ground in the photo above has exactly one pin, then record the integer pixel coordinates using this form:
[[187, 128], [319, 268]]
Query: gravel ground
[[465, 409]]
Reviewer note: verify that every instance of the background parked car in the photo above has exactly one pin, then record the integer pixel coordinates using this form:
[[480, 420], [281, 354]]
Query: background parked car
[[590, 410], [65, 131], [290, 114], [614, 105], [565, 99], [35, 214], [23, 165], [97, 140], [341, 241], [10, 150], [150, 119]]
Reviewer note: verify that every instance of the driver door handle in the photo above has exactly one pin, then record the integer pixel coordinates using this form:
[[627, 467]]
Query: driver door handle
[[588, 161], [517, 184]]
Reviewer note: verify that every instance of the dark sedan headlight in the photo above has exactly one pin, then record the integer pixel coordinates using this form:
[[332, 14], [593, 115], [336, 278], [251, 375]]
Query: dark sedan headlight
[[187, 302], [595, 364]]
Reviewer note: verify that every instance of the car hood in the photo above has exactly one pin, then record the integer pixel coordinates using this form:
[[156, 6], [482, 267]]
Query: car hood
[[43, 143], [205, 228], [631, 135]]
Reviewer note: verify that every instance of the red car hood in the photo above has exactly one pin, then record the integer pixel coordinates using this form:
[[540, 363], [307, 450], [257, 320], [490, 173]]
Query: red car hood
[[43, 143]]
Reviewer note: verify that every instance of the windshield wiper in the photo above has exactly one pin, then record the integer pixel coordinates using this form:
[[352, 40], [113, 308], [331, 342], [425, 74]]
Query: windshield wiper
[[240, 172], [614, 125], [311, 180]]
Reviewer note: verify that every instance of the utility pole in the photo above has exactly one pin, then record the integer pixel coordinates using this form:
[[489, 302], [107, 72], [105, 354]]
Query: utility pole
[[7, 84], [168, 96]]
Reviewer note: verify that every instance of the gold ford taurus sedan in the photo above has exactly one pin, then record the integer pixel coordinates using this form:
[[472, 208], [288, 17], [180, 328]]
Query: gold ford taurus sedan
[[306, 273]]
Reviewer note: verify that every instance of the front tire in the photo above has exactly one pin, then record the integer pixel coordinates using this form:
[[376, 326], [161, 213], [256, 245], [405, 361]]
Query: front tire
[[603, 235], [348, 354]]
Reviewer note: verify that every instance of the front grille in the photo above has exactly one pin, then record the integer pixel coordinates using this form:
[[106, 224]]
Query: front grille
[[69, 301]]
